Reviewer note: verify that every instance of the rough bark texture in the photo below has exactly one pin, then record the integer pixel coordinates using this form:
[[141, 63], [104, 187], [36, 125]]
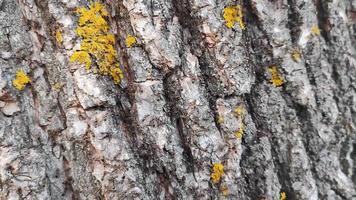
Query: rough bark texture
[[73, 134]]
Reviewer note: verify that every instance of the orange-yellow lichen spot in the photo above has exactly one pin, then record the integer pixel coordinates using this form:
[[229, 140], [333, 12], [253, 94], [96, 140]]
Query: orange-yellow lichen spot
[[218, 172], [97, 42], [233, 14], [239, 133], [81, 57], [21, 80], [220, 119], [283, 196], [296, 56], [276, 79], [58, 86], [59, 36], [130, 41], [315, 30], [240, 111], [224, 190]]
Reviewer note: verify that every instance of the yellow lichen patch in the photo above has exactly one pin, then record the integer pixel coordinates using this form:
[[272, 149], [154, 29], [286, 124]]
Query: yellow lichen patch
[[21, 80], [233, 14], [59, 36], [57, 86], [97, 43], [276, 79], [283, 196], [296, 55], [315, 30], [240, 111], [239, 133], [218, 172], [81, 57], [130, 40], [220, 119], [224, 190]]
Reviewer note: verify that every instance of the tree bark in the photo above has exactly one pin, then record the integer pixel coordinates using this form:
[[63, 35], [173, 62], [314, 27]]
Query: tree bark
[[191, 84]]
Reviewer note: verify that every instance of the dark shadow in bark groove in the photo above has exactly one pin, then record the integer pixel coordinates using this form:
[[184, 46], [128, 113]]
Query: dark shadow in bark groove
[[143, 151], [353, 157], [281, 168], [263, 57], [171, 94], [323, 21], [294, 21], [183, 11]]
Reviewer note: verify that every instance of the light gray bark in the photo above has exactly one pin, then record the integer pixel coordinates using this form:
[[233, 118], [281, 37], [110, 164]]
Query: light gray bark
[[158, 133]]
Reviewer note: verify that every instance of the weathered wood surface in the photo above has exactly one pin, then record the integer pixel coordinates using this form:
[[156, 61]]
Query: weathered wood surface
[[72, 134]]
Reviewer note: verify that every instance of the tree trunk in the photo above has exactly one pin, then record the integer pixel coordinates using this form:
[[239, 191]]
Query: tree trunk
[[269, 97]]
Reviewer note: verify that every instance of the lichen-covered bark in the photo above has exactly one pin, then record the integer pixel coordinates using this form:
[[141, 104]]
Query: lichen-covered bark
[[74, 134]]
